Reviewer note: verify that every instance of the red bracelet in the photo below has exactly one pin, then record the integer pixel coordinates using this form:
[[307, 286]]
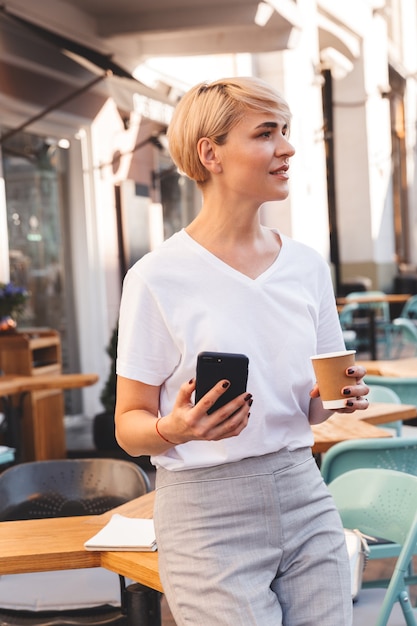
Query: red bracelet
[[161, 435]]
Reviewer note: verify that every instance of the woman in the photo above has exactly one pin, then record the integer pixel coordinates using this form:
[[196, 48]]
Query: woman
[[247, 532]]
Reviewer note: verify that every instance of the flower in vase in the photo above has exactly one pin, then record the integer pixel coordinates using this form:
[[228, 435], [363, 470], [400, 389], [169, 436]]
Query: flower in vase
[[12, 300]]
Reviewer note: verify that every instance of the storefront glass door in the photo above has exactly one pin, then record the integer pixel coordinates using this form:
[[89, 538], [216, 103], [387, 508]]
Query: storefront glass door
[[35, 172]]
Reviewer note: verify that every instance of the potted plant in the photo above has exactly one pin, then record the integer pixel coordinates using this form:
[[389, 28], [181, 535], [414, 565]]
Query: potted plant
[[12, 304], [103, 426]]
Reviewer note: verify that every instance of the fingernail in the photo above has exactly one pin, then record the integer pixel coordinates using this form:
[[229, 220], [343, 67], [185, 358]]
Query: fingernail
[[225, 384], [346, 392], [351, 370], [349, 403], [190, 382], [247, 397]]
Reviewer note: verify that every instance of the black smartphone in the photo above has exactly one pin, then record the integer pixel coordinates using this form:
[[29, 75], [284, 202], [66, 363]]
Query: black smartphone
[[214, 366]]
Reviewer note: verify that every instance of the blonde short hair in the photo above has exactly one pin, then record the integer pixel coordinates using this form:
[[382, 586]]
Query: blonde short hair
[[212, 110]]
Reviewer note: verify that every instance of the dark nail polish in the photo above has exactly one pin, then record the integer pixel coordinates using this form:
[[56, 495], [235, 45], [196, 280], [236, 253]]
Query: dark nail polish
[[225, 384], [349, 403], [346, 392], [250, 402], [190, 382], [351, 370], [247, 397]]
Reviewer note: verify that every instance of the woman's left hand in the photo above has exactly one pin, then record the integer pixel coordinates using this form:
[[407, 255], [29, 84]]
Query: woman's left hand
[[355, 393]]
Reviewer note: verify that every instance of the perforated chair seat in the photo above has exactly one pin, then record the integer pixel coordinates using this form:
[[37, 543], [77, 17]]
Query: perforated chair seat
[[68, 487], [398, 453]]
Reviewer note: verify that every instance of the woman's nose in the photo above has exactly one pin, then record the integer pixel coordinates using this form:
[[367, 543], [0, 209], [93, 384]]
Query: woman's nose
[[285, 147]]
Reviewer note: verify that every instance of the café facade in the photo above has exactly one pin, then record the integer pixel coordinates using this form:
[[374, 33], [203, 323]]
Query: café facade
[[87, 183]]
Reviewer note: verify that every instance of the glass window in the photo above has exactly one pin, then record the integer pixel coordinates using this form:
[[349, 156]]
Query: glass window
[[35, 176]]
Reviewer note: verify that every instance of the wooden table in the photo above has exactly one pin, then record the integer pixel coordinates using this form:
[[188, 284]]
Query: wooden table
[[58, 543], [342, 428], [384, 412], [11, 384], [391, 298], [50, 433], [401, 368]]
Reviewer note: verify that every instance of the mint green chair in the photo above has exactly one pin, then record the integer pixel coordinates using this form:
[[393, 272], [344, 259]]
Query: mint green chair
[[409, 310], [383, 503], [360, 313], [398, 453], [379, 393], [405, 388], [382, 310], [352, 332], [404, 337]]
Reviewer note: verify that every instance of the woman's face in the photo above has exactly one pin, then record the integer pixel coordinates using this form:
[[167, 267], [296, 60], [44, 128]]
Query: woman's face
[[254, 159]]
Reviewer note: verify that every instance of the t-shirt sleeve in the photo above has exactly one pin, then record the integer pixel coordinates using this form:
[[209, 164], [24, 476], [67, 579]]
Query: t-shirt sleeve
[[146, 350]]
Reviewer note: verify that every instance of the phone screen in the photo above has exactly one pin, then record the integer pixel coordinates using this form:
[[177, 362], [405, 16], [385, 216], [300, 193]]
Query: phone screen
[[214, 366]]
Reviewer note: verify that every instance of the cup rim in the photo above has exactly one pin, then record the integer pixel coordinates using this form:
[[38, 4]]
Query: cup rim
[[329, 355]]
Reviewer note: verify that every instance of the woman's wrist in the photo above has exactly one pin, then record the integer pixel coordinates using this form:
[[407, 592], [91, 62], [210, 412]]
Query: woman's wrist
[[161, 435]]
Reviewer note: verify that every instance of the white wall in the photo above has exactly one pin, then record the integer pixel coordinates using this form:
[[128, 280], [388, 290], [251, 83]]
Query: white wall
[[304, 216]]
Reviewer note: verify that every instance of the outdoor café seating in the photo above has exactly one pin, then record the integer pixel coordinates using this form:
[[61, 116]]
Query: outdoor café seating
[[381, 503], [64, 488]]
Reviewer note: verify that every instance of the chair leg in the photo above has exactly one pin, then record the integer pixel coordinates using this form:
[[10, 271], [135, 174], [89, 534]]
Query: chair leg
[[407, 608], [143, 606]]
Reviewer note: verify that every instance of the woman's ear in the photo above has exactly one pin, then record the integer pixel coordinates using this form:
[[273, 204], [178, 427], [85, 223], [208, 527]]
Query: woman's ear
[[208, 155]]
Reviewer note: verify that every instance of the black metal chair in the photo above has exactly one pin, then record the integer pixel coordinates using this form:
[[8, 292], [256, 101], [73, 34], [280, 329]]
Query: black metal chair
[[63, 488]]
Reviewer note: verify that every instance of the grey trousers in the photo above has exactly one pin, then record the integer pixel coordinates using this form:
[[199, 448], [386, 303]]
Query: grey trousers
[[257, 542]]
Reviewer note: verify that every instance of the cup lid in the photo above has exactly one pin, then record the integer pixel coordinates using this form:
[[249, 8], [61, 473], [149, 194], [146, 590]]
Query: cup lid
[[329, 355]]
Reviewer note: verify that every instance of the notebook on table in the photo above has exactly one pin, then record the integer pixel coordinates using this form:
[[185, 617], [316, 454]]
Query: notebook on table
[[124, 533]]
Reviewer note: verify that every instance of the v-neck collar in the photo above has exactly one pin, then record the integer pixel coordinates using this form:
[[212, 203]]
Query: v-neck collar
[[223, 266]]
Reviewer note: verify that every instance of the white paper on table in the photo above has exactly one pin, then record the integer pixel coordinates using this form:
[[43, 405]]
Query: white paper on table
[[124, 533]]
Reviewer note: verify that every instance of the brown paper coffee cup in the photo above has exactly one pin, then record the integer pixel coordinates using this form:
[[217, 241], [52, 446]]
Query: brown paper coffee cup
[[330, 373]]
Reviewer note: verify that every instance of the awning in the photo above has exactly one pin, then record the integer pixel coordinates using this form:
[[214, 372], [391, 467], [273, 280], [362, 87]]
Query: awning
[[53, 72], [98, 59]]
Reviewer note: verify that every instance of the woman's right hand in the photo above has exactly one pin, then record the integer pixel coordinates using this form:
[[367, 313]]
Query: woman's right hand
[[188, 422]]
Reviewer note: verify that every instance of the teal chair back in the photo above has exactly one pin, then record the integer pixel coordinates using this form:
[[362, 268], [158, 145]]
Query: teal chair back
[[382, 310], [405, 388], [347, 322], [382, 316], [382, 503], [379, 393], [409, 309], [347, 314], [398, 453], [405, 336]]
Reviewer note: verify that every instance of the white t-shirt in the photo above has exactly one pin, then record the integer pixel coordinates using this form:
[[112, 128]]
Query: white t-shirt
[[180, 300]]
